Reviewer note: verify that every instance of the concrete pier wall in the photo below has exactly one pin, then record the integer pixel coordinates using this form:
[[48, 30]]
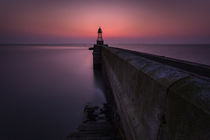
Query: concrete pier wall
[[156, 101]]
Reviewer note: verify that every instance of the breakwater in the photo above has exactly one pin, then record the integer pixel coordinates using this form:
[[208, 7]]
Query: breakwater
[[157, 98]]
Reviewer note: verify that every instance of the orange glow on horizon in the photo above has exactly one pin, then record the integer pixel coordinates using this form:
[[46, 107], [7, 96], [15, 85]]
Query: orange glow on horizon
[[118, 20]]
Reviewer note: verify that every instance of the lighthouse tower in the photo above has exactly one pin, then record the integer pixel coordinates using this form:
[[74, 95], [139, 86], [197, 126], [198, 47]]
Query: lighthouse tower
[[100, 40], [97, 59]]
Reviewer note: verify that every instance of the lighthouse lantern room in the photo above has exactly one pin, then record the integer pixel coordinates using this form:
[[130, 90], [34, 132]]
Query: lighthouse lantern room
[[100, 40]]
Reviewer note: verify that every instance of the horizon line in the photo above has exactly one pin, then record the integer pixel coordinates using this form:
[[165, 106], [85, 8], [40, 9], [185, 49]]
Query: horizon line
[[67, 44]]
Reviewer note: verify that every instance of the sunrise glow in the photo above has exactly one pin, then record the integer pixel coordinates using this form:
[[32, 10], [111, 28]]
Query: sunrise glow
[[73, 20]]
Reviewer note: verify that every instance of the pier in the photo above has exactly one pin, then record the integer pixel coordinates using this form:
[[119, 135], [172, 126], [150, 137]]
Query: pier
[[157, 98]]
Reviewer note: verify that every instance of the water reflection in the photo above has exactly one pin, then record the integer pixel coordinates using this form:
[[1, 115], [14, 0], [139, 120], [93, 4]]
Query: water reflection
[[44, 90]]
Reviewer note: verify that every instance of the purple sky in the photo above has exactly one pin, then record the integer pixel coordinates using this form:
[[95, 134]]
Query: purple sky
[[122, 21]]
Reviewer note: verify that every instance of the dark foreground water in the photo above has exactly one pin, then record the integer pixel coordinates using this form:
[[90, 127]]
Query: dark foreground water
[[194, 53], [43, 91]]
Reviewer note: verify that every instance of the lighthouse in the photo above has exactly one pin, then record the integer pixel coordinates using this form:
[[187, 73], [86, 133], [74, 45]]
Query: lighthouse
[[97, 59], [100, 40]]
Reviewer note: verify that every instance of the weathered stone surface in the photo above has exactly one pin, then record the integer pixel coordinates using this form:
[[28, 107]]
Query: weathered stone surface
[[150, 95], [96, 126], [189, 109], [93, 131]]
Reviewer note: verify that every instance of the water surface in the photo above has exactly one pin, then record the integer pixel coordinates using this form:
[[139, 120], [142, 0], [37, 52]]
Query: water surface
[[194, 53], [43, 91]]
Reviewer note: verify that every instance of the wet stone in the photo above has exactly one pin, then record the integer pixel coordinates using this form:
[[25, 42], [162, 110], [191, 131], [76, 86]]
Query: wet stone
[[96, 126]]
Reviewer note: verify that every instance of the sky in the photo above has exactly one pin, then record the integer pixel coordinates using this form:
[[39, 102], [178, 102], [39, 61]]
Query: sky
[[122, 21]]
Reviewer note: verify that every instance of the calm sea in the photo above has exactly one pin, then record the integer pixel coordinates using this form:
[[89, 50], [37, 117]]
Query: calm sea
[[193, 53], [43, 89]]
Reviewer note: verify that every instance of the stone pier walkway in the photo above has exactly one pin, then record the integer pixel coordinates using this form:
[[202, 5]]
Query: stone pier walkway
[[93, 131], [97, 125]]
